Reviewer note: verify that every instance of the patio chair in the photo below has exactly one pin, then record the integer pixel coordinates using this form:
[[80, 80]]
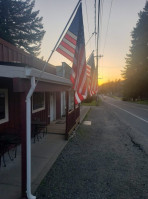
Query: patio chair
[[37, 128], [2, 154], [8, 141]]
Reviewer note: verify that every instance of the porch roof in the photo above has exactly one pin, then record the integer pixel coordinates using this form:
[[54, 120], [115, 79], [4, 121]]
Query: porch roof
[[25, 72]]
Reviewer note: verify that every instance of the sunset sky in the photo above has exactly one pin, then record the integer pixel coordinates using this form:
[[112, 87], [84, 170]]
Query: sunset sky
[[113, 46]]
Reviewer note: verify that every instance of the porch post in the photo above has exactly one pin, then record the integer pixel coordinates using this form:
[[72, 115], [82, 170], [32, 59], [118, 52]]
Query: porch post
[[23, 142], [74, 101], [79, 113], [74, 109], [67, 110]]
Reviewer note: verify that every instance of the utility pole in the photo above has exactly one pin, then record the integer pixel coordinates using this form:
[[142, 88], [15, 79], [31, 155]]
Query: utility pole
[[100, 56], [97, 57]]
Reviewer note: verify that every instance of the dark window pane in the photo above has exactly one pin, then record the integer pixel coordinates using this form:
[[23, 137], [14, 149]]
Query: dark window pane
[[38, 100], [2, 105]]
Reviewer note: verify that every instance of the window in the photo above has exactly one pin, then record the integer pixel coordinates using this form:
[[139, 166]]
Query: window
[[3, 105], [38, 102]]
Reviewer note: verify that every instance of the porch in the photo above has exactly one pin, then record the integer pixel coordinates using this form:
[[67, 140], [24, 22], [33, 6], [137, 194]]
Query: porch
[[44, 153]]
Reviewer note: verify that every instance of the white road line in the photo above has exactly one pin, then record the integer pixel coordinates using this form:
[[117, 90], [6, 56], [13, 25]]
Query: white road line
[[132, 105], [128, 112]]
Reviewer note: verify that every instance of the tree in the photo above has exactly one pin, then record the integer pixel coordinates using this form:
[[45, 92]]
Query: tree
[[20, 25], [114, 88], [136, 70]]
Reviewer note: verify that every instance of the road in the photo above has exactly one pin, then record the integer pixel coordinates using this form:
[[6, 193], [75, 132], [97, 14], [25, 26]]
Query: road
[[134, 115], [105, 159]]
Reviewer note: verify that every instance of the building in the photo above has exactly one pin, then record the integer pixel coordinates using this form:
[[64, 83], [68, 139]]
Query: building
[[65, 71], [17, 68]]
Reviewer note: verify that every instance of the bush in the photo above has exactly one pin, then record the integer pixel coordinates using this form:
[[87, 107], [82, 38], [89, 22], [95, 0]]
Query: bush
[[90, 99]]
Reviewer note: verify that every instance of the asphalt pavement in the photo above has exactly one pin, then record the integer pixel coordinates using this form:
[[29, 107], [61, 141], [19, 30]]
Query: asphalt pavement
[[135, 116], [103, 160]]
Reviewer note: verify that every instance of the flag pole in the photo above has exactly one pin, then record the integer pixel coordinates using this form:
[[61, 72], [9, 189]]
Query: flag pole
[[97, 43]]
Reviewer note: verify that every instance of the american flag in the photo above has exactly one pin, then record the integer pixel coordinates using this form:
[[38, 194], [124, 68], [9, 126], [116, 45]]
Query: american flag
[[68, 44], [72, 47], [94, 83], [88, 70], [92, 78]]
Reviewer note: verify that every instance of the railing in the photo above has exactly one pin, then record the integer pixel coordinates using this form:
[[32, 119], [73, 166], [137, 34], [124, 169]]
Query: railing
[[72, 120], [77, 110], [11, 54]]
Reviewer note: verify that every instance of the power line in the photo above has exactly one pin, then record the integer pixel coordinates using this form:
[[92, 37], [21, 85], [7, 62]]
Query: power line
[[89, 39], [100, 32], [95, 24], [98, 28], [95, 16], [98, 41], [107, 25], [100, 18], [101, 11], [88, 24], [107, 31]]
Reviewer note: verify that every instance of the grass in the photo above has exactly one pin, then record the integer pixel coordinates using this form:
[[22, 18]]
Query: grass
[[81, 132], [145, 102], [119, 98], [142, 102], [86, 116], [92, 103]]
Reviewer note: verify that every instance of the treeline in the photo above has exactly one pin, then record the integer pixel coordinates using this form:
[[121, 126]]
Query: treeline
[[114, 88], [21, 25], [136, 70]]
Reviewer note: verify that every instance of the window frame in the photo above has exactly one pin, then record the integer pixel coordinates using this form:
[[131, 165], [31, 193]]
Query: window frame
[[6, 119], [38, 109]]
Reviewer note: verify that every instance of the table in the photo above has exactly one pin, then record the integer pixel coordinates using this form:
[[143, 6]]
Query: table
[[37, 127]]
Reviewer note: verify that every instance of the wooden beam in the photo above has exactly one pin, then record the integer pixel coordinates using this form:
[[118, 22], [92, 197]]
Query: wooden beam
[[67, 110]]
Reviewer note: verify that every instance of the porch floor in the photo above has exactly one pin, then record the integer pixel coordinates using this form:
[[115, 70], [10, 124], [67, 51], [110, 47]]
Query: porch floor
[[44, 153], [57, 127]]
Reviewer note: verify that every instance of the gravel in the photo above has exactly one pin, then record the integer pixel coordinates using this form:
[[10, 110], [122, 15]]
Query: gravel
[[101, 161]]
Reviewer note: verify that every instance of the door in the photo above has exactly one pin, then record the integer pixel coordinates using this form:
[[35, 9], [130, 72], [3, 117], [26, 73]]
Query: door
[[63, 104], [52, 106]]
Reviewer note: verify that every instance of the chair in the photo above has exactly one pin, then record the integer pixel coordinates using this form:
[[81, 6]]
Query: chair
[[37, 128], [8, 141], [2, 154]]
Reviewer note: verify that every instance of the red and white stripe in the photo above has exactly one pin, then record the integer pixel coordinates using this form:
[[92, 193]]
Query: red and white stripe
[[68, 45], [79, 75], [94, 84], [88, 70]]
